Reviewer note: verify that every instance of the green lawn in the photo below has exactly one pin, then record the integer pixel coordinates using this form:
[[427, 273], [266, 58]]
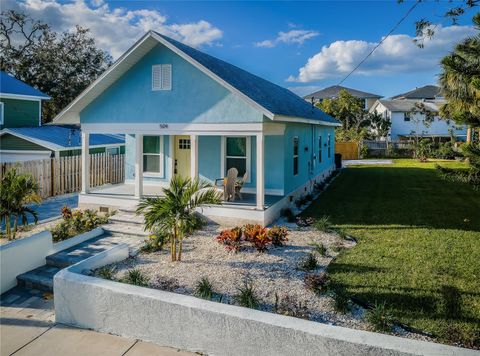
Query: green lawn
[[418, 245]]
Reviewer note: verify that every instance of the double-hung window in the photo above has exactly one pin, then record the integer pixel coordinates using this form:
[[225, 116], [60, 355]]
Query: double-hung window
[[153, 155], [406, 116], [295, 155], [320, 149], [329, 146], [237, 154], [161, 77]]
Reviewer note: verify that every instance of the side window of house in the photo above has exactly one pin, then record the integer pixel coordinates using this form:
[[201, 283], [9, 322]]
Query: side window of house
[[406, 116], [236, 154], [152, 154], [295, 155], [1, 113], [329, 146], [161, 77], [320, 149]]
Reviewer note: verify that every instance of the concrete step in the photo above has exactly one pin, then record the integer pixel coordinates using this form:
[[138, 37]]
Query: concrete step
[[40, 278], [81, 251], [126, 218], [126, 229]]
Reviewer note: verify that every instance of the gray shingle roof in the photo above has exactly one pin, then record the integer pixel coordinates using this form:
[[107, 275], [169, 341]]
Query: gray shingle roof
[[333, 91], [274, 98], [425, 92], [408, 104]]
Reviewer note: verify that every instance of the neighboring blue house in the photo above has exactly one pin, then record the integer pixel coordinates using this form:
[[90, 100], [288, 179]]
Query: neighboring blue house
[[186, 112], [22, 136]]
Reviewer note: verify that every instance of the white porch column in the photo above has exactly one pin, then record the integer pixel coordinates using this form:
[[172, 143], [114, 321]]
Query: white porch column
[[193, 156], [138, 166], [85, 163], [260, 172]]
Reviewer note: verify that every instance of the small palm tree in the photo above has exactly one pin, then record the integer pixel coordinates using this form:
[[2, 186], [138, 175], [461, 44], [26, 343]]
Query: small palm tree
[[16, 191], [175, 212]]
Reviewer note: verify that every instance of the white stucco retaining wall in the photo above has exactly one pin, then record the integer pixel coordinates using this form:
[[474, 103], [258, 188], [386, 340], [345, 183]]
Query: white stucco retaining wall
[[23, 255], [194, 324]]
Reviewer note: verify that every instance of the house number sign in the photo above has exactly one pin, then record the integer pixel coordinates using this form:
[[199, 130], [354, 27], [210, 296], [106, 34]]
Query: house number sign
[[163, 126]]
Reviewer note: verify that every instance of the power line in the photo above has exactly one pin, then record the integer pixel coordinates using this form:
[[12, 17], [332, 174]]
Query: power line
[[382, 40]]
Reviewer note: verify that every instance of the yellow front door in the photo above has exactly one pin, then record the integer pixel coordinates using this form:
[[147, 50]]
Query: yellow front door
[[182, 156]]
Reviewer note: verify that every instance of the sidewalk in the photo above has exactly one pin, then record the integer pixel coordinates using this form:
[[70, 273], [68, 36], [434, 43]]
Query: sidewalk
[[27, 327]]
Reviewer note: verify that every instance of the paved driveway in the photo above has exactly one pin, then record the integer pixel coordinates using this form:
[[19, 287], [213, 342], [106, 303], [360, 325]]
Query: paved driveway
[[27, 327]]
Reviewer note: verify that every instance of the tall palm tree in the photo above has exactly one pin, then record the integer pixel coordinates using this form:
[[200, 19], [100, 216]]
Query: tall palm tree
[[16, 191], [175, 212], [460, 80]]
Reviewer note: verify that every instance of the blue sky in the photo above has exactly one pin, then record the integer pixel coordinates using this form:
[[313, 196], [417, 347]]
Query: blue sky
[[300, 45]]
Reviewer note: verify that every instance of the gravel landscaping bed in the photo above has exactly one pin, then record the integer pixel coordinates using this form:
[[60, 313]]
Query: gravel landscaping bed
[[29, 230]]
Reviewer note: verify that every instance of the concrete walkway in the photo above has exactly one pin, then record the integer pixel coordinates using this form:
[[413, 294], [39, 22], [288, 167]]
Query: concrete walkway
[[27, 327], [358, 162]]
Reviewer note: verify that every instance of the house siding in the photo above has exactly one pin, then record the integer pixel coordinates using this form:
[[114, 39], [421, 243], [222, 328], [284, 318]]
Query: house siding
[[18, 113], [11, 142], [194, 98]]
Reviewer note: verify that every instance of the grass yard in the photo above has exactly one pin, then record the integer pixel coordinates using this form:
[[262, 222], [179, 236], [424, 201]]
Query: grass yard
[[418, 245]]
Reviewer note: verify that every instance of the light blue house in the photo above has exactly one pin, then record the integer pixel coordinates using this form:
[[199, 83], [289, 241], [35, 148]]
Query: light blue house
[[186, 112]]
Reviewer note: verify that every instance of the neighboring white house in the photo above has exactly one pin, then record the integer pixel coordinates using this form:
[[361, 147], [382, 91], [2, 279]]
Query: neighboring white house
[[406, 125], [332, 92]]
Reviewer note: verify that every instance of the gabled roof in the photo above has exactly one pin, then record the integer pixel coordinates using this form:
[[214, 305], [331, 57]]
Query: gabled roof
[[59, 137], [407, 105], [11, 86], [333, 91], [425, 92], [272, 100]]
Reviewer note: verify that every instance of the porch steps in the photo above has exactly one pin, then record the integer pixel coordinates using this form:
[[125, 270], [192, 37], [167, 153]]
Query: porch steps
[[40, 278]]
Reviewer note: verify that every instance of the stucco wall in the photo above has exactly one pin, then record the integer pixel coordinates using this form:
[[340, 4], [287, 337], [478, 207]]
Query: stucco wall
[[198, 325], [194, 97]]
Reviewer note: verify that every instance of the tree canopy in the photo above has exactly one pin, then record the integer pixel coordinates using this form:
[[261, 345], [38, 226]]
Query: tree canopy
[[61, 65], [460, 80]]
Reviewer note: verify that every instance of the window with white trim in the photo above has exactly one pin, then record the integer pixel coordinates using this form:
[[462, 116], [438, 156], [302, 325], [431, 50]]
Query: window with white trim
[[161, 77], [406, 116], [1, 113], [320, 148], [295, 155], [237, 154], [329, 146], [153, 155]]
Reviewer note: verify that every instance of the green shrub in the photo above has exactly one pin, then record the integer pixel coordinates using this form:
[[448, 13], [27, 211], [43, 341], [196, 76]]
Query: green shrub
[[278, 235], [247, 297], [155, 242], [136, 277], [323, 224], [106, 272], [316, 282], [379, 317], [204, 289], [342, 234], [341, 299], [308, 263], [77, 222]]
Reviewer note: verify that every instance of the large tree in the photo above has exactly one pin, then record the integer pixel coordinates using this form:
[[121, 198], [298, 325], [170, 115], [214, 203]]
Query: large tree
[[59, 64]]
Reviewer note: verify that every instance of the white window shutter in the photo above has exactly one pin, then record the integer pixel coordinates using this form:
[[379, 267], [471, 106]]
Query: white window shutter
[[167, 77], [157, 77]]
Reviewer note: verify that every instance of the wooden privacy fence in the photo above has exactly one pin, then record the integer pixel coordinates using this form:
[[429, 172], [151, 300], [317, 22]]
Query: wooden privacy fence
[[348, 150], [62, 175]]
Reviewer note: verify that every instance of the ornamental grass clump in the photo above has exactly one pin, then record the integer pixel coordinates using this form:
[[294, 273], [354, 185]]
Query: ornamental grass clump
[[136, 277], [247, 296], [341, 300], [204, 289], [323, 224], [106, 272], [379, 317], [319, 248]]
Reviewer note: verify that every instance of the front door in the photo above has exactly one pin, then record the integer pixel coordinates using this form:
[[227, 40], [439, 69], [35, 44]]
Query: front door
[[182, 156]]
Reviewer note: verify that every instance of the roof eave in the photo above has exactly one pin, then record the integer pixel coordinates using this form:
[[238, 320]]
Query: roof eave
[[285, 118]]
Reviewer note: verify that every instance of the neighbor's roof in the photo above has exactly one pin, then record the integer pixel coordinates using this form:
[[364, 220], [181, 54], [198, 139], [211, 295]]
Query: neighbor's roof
[[425, 92], [273, 100], [408, 104], [58, 137], [333, 91], [10, 85]]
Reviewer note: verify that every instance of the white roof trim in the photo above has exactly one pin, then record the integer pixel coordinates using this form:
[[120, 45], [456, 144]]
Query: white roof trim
[[71, 113], [23, 97], [53, 146], [294, 119]]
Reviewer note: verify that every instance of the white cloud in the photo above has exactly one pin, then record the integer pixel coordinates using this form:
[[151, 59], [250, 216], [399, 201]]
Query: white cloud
[[290, 37], [115, 28], [397, 54]]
